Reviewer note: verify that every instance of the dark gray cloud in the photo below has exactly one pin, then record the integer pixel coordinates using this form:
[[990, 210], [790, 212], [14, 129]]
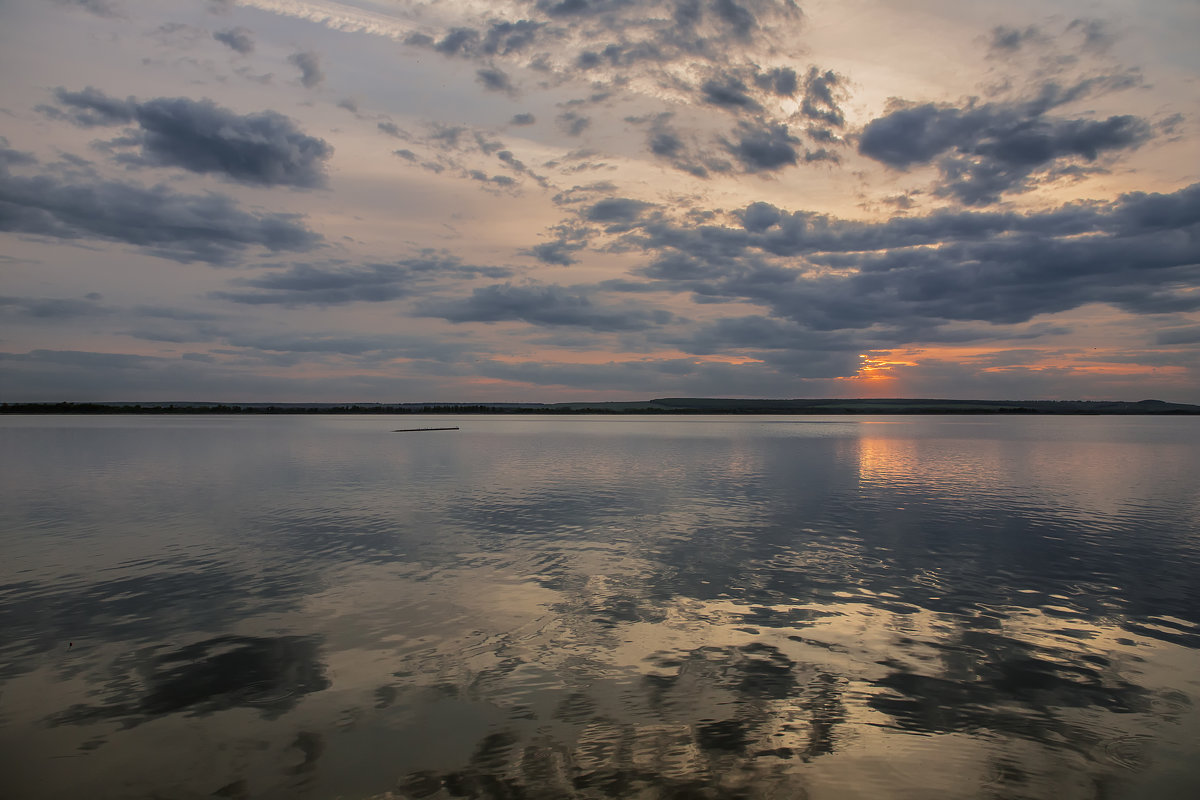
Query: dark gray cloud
[[239, 39], [309, 64], [392, 129], [672, 377], [524, 118], [1097, 34], [367, 347], [502, 181], [458, 41], [499, 38], [585, 193], [781, 81], [822, 90], [507, 158], [728, 92], [54, 308], [457, 151], [505, 37], [83, 358], [620, 55], [13, 158], [264, 148], [41, 375], [337, 284], [573, 123], [305, 284], [101, 8], [615, 209], [495, 80], [909, 276], [832, 353], [544, 305], [619, 40], [571, 8], [666, 143], [1187, 335], [556, 252], [446, 136], [758, 217], [92, 108], [985, 151], [182, 227], [179, 314], [737, 17], [763, 146], [1005, 39]]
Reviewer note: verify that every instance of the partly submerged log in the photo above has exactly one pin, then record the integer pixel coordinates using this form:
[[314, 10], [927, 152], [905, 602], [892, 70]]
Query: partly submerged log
[[416, 430]]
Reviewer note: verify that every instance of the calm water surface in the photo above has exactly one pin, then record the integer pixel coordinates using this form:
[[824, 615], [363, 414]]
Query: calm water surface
[[315, 607]]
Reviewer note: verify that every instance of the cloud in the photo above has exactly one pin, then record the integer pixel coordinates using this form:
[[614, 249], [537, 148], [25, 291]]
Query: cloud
[[502, 181], [93, 108], [83, 358], [392, 129], [572, 123], [666, 143], [264, 148], [54, 308], [546, 305], [908, 276], [524, 118], [556, 252], [985, 151], [730, 92], [458, 40], [570, 8], [737, 17], [324, 285], [615, 209], [781, 81], [181, 227], [758, 217], [309, 64], [495, 80], [506, 37], [366, 347], [1005, 39], [1188, 335], [501, 38], [466, 152], [239, 39], [763, 146], [821, 93], [1097, 34], [101, 8]]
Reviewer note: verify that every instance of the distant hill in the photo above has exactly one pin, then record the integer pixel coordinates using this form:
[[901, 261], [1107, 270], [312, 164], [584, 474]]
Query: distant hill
[[668, 405]]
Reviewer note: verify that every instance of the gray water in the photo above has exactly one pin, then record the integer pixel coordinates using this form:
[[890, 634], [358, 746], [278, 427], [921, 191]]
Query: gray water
[[316, 607]]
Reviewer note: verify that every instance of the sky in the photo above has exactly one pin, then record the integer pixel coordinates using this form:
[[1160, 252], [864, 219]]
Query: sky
[[556, 200]]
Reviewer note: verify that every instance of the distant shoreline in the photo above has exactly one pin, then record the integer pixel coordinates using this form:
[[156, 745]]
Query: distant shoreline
[[667, 406]]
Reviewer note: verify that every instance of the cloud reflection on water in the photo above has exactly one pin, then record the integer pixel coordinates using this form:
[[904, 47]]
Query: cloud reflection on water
[[717, 609]]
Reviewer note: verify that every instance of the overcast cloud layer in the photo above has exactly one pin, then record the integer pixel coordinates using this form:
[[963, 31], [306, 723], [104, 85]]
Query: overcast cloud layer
[[377, 200]]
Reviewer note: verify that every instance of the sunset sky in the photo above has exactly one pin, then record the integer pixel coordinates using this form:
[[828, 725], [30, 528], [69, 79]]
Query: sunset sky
[[549, 200]]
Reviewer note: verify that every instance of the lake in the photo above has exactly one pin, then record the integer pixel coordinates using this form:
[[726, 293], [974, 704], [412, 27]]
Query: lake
[[593, 607]]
